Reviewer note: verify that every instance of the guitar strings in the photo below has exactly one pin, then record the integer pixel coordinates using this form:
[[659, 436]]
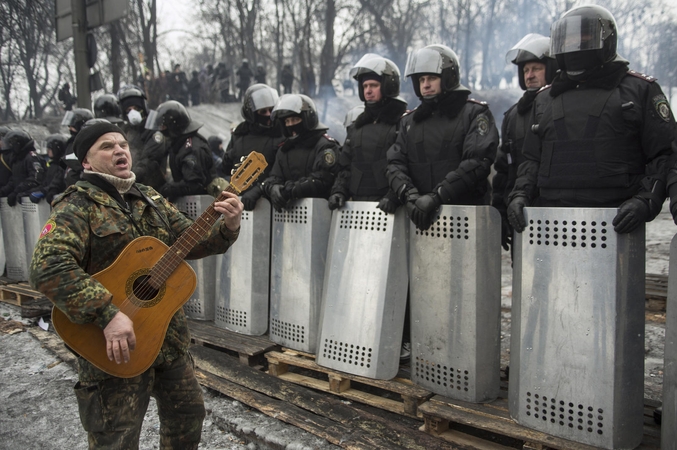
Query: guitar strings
[[162, 271]]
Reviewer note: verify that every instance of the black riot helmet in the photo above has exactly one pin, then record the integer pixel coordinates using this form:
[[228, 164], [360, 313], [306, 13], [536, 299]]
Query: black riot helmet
[[297, 105], [107, 106], [172, 119], [258, 96], [57, 143], [76, 118], [437, 60], [18, 141], [584, 38], [372, 64], [532, 48], [131, 95]]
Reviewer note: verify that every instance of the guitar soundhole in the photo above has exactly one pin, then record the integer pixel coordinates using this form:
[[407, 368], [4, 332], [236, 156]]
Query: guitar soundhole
[[143, 290], [140, 291]]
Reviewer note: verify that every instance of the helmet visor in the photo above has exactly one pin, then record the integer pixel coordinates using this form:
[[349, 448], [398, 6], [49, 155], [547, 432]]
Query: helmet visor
[[289, 104], [67, 119], [154, 121], [425, 60], [576, 33], [264, 98], [374, 63], [531, 47]]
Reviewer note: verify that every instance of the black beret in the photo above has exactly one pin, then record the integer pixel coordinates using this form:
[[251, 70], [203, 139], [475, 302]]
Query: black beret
[[89, 134]]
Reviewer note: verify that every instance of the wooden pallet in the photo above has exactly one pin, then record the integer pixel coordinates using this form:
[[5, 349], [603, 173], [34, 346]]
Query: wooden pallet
[[18, 293], [340, 383], [441, 415], [656, 289], [249, 349], [350, 425]]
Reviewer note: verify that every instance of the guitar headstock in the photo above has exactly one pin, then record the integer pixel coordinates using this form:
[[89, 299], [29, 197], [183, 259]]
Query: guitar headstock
[[250, 169]]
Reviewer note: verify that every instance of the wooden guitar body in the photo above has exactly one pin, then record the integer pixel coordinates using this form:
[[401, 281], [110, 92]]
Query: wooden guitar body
[[150, 282], [151, 313]]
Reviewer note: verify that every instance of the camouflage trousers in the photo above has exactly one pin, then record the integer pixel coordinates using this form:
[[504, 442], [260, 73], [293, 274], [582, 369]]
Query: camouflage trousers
[[112, 410]]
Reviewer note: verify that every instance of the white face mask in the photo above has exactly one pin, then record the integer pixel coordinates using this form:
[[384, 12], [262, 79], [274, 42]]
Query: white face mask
[[134, 117]]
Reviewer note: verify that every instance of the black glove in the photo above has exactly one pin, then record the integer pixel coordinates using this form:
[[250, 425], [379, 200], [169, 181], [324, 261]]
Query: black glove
[[506, 234], [336, 201], [49, 197], [303, 188], [36, 196], [250, 198], [11, 199], [388, 204], [429, 203], [423, 210], [279, 196], [516, 213], [631, 214]]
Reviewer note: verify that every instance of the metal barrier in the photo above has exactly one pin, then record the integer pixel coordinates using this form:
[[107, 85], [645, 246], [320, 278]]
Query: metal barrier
[[299, 252], [455, 303], [577, 340], [669, 417], [35, 215], [365, 291], [243, 276], [200, 306], [13, 234]]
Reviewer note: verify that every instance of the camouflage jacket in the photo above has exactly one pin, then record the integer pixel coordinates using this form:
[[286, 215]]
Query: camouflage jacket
[[85, 233]]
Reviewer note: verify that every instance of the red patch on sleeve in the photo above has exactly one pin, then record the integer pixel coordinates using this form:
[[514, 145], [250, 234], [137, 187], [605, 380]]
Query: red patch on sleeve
[[48, 228]]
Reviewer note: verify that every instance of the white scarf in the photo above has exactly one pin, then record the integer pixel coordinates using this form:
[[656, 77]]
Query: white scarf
[[123, 185]]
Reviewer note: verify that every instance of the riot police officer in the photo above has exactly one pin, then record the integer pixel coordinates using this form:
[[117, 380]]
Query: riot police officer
[[5, 159], [148, 147], [535, 69], [258, 133], [305, 164], [27, 167], [54, 182], [190, 158], [362, 160], [445, 147], [602, 134], [107, 106], [74, 120]]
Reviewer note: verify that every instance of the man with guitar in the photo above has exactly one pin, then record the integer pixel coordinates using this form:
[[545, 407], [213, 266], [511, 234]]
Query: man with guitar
[[111, 309]]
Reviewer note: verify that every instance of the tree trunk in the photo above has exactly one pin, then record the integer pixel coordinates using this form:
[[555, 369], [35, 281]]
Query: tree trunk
[[327, 67], [115, 54]]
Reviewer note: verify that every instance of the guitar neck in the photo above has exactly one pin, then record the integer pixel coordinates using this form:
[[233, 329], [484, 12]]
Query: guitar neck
[[186, 242]]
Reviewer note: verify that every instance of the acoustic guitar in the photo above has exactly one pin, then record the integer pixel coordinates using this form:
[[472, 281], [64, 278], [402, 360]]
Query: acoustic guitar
[[149, 282]]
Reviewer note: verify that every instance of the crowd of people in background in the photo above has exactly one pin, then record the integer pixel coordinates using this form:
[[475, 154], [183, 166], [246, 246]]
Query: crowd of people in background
[[218, 83]]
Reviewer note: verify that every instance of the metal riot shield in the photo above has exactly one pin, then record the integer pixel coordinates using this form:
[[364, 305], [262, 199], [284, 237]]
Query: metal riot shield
[[577, 339], [455, 303], [34, 218], [669, 418], [243, 278], [200, 306], [365, 291], [299, 252], [15, 242]]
